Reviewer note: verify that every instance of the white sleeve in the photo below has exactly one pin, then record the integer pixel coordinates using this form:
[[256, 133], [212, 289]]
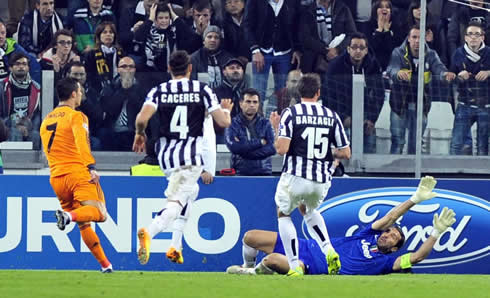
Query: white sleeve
[[209, 146]]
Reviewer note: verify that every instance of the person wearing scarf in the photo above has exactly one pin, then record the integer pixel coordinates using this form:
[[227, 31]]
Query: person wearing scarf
[[37, 27], [20, 102], [101, 62], [472, 64], [159, 36]]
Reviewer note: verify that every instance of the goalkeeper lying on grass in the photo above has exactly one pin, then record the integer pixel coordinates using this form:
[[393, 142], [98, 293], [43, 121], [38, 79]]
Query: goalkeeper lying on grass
[[365, 253]]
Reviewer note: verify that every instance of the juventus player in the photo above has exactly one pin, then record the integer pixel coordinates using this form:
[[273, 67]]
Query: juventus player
[[182, 104], [306, 133]]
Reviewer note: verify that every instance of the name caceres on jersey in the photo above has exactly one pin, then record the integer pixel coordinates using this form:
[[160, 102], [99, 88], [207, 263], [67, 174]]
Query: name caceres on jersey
[[181, 105], [313, 130]]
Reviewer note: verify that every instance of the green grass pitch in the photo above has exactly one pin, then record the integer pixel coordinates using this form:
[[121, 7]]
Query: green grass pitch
[[64, 284]]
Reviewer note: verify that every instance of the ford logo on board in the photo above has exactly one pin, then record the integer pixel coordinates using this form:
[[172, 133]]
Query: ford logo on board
[[462, 248]]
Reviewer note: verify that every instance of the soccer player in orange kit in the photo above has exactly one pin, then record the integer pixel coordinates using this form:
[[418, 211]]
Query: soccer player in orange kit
[[65, 139]]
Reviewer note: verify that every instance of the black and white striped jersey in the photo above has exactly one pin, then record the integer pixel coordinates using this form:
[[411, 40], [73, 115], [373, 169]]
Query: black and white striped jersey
[[314, 130], [181, 106]]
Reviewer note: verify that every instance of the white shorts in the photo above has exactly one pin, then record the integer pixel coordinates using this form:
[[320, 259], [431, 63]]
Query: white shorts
[[293, 190], [182, 184]]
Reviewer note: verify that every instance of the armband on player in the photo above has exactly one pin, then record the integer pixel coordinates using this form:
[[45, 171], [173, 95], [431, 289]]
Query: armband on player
[[91, 167], [405, 261]]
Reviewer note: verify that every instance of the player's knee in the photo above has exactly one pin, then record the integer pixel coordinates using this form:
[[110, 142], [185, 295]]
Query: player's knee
[[249, 238], [173, 210], [271, 260]]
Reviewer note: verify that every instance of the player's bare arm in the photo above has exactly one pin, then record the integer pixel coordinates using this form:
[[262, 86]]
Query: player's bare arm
[[342, 153], [222, 116], [281, 144], [424, 192], [142, 119], [439, 224]]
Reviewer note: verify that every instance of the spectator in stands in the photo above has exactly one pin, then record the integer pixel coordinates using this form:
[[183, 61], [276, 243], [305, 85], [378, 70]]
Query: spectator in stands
[[16, 11], [20, 102], [272, 34], [231, 87], [202, 17], [357, 60], [121, 101], [9, 46], [211, 58], [131, 20], [234, 39], [475, 12], [287, 96], [160, 35], [101, 62], [84, 22], [37, 27], [233, 83], [90, 105], [60, 54], [472, 64], [403, 71], [250, 138], [73, 5], [321, 22], [385, 33], [413, 19]]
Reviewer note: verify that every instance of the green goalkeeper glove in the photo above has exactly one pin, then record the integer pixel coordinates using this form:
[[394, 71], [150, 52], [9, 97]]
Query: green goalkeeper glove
[[442, 222], [424, 191]]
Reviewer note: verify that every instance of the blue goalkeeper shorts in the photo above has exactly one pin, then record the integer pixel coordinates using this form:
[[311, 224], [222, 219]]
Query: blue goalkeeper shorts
[[309, 253]]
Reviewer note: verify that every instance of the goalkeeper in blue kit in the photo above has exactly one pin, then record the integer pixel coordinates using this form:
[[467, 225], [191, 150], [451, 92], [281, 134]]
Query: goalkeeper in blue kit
[[365, 253]]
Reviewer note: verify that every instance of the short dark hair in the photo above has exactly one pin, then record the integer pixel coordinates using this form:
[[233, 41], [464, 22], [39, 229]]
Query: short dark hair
[[65, 87], [74, 63], [162, 7], [178, 63], [414, 27], [308, 85], [475, 24], [200, 5], [250, 92], [65, 32], [358, 35], [16, 56]]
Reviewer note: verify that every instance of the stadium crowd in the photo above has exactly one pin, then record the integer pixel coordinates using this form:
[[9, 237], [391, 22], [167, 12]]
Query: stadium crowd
[[119, 50]]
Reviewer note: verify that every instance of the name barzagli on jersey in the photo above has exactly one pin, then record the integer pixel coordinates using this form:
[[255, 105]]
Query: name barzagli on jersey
[[315, 120], [180, 98]]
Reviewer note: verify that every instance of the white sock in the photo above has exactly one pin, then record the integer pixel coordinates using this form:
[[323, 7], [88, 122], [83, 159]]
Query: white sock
[[261, 268], [249, 255], [287, 231], [179, 225], [178, 231], [163, 221], [318, 230]]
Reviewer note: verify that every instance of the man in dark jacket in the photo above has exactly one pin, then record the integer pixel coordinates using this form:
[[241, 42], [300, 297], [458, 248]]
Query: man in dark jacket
[[234, 40], [250, 138], [356, 60], [272, 33], [471, 63], [132, 19], [37, 27], [403, 71], [121, 102], [210, 58]]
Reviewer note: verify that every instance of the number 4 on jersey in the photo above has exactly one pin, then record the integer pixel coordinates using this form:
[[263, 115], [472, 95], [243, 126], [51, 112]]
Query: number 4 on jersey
[[178, 124]]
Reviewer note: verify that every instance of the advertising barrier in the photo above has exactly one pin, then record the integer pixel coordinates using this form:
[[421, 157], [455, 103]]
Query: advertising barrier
[[224, 211]]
